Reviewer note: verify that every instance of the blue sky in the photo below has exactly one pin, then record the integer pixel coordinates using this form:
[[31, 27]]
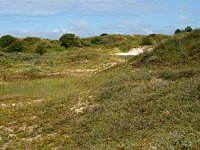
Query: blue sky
[[52, 18]]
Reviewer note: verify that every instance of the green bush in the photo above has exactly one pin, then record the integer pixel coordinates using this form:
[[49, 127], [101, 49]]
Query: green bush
[[96, 40], [16, 46], [40, 50], [70, 40], [177, 31], [6, 40], [188, 29], [104, 34]]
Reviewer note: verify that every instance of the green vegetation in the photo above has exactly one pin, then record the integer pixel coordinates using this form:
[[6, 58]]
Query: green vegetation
[[187, 29], [146, 41], [70, 40], [86, 98], [178, 49], [6, 40], [16, 46], [40, 50], [124, 42]]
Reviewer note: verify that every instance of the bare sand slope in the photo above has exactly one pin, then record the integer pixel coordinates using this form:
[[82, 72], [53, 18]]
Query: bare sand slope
[[136, 51]]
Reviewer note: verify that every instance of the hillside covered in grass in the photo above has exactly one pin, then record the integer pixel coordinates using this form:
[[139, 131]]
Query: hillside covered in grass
[[87, 98], [181, 48], [11, 44]]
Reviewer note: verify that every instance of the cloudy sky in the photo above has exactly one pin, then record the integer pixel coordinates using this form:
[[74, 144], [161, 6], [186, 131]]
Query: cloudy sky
[[51, 18]]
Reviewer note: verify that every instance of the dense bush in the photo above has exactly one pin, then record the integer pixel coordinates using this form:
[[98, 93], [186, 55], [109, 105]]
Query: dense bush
[[188, 29], [6, 40], [96, 40], [70, 40], [177, 31], [104, 34], [40, 50], [16, 46]]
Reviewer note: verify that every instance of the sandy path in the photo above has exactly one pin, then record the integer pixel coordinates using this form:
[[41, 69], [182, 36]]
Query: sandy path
[[136, 51]]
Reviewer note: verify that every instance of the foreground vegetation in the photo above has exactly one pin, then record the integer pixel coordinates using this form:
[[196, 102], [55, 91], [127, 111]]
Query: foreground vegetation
[[88, 98]]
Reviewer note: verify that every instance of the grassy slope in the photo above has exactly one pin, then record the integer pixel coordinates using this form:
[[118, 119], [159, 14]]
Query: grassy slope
[[123, 42], [148, 102], [120, 42]]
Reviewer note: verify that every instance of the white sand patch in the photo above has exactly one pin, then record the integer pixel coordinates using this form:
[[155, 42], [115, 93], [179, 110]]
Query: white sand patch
[[80, 107], [136, 51]]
